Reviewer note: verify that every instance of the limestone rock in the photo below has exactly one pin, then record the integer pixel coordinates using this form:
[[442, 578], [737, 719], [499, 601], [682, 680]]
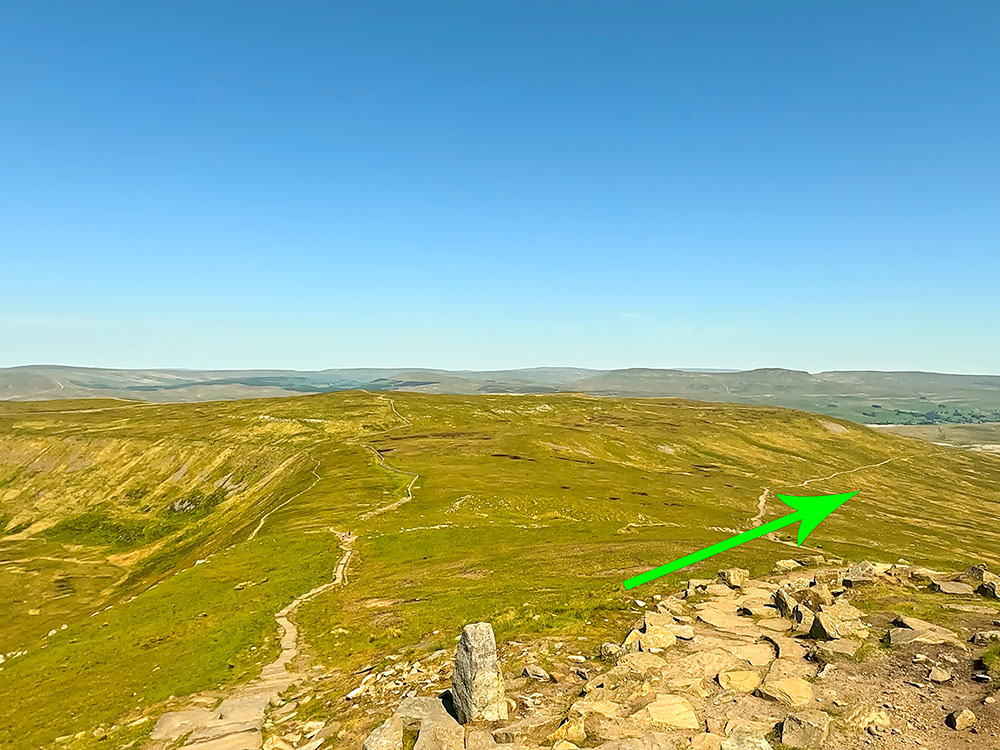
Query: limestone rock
[[805, 729], [784, 602], [960, 720], [775, 624], [786, 566], [535, 672], [866, 717], [571, 730], [990, 589], [861, 574], [745, 740], [477, 685], [939, 675], [789, 691], [718, 589], [742, 681], [480, 739], [671, 712], [611, 650], [784, 647], [839, 647], [913, 630], [803, 617], [954, 588], [734, 578], [985, 636], [656, 637], [632, 641], [435, 728], [707, 741], [839, 621]]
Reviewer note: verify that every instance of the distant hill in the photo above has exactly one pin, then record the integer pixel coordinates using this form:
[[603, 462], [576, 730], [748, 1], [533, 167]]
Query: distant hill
[[862, 396]]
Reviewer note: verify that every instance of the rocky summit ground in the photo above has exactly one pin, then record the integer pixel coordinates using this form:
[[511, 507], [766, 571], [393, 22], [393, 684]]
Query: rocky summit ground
[[814, 656]]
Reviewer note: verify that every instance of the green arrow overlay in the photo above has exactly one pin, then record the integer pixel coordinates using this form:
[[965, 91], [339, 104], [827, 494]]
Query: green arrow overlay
[[809, 513]]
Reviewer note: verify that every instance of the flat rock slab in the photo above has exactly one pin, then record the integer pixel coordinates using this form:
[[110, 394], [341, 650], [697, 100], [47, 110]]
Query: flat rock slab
[[175, 724], [788, 691], [955, 588], [839, 646], [671, 712]]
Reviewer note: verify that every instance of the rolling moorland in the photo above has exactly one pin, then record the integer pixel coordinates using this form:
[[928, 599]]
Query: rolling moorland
[[146, 548], [868, 397]]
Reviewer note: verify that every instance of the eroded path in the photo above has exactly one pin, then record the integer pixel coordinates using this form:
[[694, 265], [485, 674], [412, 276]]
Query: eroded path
[[766, 493], [235, 724], [380, 460]]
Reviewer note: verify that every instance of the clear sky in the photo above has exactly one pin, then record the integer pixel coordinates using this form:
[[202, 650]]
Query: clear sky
[[813, 185]]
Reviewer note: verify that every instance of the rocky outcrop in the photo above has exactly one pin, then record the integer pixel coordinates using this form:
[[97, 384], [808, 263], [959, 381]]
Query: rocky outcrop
[[733, 663], [477, 685], [425, 719]]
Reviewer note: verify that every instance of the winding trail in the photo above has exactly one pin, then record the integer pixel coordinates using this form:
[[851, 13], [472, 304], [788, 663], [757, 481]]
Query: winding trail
[[380, 459], [235, 724], [762, 500], [263, 518]]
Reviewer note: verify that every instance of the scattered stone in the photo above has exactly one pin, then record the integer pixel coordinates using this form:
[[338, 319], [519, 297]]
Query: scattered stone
[[939, 675], [535, 672], [784, 647], [867, 717], [806, 729], [611, 650], [786, 566], [985, 636], [656, 637], [830, 577], [960, 720]]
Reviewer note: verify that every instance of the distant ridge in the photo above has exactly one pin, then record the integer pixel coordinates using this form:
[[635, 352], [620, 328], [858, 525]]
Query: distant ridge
[[860, 395]]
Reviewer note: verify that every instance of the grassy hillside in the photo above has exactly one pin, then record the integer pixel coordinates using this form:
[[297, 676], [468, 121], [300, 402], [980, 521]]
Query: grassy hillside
[[166, 536]]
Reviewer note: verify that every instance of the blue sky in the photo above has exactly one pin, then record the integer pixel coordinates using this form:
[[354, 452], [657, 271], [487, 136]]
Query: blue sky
[[471, 184]]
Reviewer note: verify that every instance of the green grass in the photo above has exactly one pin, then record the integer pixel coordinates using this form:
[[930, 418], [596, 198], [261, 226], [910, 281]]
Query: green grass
[[529, 512], [991, 660]]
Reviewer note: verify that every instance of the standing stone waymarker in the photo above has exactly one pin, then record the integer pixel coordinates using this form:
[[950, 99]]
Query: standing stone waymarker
[[477, 686]]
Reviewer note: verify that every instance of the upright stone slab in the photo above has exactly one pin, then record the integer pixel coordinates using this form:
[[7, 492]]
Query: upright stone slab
[[477, 686]]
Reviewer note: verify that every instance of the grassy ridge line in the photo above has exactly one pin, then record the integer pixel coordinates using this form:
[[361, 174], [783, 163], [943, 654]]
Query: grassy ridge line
[[529, 512]]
